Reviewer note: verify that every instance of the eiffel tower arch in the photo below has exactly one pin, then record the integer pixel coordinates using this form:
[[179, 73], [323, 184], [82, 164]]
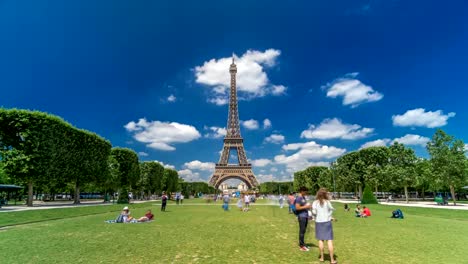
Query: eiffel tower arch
[[242, 170]]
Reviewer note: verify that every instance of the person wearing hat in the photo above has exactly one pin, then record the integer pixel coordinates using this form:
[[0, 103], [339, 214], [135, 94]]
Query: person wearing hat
[[126, 215]]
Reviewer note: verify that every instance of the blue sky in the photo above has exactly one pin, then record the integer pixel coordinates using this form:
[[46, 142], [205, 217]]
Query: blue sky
[[329, 76]]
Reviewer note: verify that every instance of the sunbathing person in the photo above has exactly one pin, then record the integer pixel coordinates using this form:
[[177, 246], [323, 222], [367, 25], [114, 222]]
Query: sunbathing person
[[148, 217]]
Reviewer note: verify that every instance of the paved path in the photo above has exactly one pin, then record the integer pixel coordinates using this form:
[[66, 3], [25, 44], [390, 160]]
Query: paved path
[[52, 205], [422, 204]]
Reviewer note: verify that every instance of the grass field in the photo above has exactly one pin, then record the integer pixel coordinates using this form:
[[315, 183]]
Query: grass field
[[197, 232]]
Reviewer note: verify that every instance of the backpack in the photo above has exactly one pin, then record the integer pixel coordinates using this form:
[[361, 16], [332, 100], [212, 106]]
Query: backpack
[[293, 209]]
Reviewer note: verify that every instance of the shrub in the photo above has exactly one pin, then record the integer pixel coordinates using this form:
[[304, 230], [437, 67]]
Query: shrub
[[368, 197]]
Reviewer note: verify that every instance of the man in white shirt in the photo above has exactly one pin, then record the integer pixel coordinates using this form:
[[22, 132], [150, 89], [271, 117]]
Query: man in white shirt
[[247, 200]]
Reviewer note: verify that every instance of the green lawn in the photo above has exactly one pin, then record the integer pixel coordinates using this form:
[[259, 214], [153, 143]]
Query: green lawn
[[206, 234]]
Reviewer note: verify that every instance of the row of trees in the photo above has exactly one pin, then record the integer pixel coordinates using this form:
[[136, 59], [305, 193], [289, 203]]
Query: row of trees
[[276, 187], [394, 168], [44, 152]]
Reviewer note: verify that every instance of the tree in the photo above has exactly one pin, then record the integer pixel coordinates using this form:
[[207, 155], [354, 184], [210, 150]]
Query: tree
[[171, 180], [424, 176], [350, 171], [374, 159], [401, 167], [325, 179], [448, 161], [3, 176], [129, 171], [368, 197]]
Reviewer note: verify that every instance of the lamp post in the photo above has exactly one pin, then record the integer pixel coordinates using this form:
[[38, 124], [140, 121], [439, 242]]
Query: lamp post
[[332, 164]]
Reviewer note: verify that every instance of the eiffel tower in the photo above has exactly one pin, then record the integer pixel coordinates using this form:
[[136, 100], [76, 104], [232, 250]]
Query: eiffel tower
[[233, 140]]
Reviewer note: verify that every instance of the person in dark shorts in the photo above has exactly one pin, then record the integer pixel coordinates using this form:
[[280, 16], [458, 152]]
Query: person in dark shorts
[[302, 208], [163, 202]]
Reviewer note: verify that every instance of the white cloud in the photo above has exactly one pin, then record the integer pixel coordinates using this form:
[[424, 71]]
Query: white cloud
[[265, 177], [308, 154], [408, 139], [275, 139], [411, 139], [419, 117], [353, 91], [376, 143], [278, 89], [252, 80], [274, 169], [334, 128], [250, 124], [189, 175], [161, 135], [215, 132], [198, 165], [466, 147], [171, 98], [218, 100], [261, 162], [167, 166], [266, 123], [143, 154]]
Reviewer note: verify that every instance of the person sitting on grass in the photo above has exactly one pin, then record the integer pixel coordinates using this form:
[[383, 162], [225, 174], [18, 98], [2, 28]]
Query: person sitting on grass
[[358, 211], [148, 217], [398, 214], [346, 207], [365, 212], [124, 216]]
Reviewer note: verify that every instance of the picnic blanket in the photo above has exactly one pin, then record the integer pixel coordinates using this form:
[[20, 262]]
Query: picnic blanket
[[134, 221]]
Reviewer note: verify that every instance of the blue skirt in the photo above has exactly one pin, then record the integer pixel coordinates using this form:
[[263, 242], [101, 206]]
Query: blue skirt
[[324, 231]]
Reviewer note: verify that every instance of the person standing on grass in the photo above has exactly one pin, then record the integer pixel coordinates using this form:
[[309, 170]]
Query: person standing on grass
[[323, 210], [291, 199], [302, 216], [247, 201], [226, 199], [281, 201], [181, 198], [163, 202]]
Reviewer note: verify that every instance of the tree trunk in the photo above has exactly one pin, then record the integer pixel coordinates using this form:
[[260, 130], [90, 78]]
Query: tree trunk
[[360, 191], [406, 194], [452, 191], [77, 194], [30, 193]]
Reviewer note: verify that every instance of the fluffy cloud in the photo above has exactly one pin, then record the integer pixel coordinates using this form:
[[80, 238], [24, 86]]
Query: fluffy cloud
[[266, 123], [251, 124], [198, 165], [167, 166], [274, 169], [411, 139], [143, 154], [189, 175], [261, 162], [308, 154], [334, 128], [419, 117], [466, 147], [275, 139], [215, 132], [252, 80], [376, 143], [353, 91], [171, 98], [161, 135], [408, 139], [265, 177]]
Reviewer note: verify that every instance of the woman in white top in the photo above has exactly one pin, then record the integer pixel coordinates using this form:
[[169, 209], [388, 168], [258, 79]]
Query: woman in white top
[[323, 210]]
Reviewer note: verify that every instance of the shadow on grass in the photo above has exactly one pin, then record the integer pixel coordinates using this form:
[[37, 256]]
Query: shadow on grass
[[326, 257]]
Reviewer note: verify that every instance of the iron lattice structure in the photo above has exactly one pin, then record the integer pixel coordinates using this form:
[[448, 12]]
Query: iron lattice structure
[[233, 140]]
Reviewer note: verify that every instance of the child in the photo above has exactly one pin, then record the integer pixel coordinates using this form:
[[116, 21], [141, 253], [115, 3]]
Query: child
[[346, 207]]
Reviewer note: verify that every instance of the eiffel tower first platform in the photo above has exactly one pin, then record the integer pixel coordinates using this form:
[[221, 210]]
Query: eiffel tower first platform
[[233, 140]]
